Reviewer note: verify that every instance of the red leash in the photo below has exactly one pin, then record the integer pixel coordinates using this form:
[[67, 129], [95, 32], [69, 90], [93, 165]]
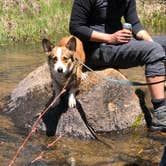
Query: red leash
[[37, 121]]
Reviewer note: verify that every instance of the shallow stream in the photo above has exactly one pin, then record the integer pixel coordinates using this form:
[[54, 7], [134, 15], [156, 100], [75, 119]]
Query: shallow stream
[[137, 147]]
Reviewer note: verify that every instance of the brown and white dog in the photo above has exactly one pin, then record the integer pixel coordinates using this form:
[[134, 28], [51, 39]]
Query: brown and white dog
[[64, 61]]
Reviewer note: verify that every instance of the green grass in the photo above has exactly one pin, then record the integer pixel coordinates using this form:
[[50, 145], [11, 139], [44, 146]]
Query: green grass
[[32, 20]]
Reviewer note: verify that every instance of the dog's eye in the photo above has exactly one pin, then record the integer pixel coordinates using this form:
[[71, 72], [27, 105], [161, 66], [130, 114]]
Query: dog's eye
[[65, 59], [55, 59]]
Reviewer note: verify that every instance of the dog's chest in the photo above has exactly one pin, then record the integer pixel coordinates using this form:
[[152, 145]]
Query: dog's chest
[[60, 78]]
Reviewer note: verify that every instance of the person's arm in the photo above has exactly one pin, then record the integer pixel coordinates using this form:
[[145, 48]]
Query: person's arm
[[80, 14], [131, 17], [144, 35], [79, 27], [137, 28], [121, 36]]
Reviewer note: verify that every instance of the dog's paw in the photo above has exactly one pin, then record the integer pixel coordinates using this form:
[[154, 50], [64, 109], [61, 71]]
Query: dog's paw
[[72, 101], [83, 76]]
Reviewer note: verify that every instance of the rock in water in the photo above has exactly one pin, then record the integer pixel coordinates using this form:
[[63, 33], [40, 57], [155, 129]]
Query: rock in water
[[101, 104]]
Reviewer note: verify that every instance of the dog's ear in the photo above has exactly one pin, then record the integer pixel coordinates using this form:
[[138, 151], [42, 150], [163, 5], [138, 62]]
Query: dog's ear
[[47, 46], [71, 44]]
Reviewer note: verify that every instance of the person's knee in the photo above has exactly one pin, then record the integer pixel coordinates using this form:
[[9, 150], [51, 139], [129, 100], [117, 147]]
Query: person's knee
[[155, 53], [157, 47], [155, 69]]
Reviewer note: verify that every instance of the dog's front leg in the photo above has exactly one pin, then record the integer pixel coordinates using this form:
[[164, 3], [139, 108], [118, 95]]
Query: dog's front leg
[[72, 99]]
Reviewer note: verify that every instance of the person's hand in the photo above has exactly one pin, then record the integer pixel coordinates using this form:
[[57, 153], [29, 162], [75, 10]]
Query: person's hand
[[122, 36]]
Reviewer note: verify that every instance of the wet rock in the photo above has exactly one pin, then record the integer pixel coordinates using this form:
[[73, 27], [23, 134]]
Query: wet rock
[[101, 105]]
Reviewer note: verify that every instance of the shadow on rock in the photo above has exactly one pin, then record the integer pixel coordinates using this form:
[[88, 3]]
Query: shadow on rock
[[52, 116], [147, 115]]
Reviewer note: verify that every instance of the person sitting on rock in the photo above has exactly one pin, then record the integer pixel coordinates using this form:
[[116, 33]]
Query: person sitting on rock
[[97, 23]]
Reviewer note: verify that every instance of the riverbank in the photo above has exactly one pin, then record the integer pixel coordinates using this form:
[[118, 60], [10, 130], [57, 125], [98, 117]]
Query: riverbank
[[30, 21]]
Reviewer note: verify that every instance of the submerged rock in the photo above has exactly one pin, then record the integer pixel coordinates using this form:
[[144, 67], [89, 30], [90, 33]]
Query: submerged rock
[[101, 104]]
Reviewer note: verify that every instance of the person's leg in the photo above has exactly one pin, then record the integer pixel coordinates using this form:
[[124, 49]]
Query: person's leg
[[138, 53], [161, 40], [157, 95], [163, 159], [156, 90], [135, 53]]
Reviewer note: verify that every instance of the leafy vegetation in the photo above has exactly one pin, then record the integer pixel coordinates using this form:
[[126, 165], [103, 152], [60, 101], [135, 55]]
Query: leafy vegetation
[[31, 20], [153, 14]]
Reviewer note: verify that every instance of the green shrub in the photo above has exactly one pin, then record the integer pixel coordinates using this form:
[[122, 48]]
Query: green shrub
[[152, 14]]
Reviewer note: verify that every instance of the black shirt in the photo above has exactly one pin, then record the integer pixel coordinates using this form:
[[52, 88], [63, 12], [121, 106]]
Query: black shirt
[[103, 16]]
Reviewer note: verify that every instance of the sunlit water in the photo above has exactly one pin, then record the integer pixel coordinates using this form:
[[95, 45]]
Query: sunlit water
[[136, 147]]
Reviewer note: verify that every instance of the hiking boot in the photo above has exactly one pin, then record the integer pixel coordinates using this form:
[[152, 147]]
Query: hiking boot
[[159, 119]]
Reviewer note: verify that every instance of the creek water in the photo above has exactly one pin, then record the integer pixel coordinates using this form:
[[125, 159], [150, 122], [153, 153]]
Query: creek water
[[136, 147]]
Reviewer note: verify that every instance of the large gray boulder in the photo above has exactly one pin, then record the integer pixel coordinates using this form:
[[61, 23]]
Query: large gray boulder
[[103, 105]]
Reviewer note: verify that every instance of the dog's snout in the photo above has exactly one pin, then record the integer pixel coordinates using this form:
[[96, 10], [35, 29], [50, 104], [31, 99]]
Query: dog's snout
[[60, 70]]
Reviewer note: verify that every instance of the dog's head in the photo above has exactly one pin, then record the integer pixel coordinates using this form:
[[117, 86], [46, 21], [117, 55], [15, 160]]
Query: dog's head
[[62, 57]]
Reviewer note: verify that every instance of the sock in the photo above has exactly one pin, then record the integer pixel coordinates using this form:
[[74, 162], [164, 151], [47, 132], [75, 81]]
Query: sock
[[158, 102]]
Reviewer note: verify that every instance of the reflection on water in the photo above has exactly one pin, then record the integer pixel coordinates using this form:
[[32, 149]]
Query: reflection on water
[[137, 147], [16, 63]]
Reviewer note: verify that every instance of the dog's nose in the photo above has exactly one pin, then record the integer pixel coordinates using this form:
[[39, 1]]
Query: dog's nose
[[60, 70]]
